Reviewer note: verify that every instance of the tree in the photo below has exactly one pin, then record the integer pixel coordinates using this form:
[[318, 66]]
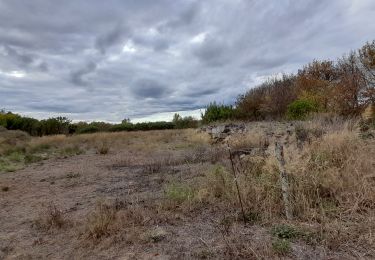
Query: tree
[[316, 81], [351, 86], [300, 109], [215, 112], [367, 61]]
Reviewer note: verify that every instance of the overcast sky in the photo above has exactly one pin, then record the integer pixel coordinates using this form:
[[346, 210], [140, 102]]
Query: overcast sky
[[144, 60]]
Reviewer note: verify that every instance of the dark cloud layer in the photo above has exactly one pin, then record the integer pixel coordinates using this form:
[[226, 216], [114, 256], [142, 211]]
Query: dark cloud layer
[[112, 59]]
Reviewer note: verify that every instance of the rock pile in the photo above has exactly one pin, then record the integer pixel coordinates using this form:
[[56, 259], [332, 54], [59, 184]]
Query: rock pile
[[221, 132]]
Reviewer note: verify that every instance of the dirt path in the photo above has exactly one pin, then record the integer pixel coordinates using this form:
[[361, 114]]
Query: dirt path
[[75, 185]]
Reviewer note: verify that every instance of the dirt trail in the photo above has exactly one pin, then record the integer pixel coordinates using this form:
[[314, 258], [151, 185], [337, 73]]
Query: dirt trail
[[75, 185]]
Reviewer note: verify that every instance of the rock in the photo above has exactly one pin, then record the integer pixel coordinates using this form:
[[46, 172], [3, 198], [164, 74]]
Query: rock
[[157, 234], [221, 132]]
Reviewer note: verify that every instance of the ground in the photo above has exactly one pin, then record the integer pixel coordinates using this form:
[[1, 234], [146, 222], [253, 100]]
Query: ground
[[133, 201]]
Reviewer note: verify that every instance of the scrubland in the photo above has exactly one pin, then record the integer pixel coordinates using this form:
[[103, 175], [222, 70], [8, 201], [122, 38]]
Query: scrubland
[[172, 194]]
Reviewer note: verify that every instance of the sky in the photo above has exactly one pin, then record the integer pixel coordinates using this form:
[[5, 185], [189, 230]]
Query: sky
[[146, 59]]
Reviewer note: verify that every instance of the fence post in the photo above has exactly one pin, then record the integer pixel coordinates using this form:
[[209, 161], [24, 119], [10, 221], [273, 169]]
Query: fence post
[[279, 150]]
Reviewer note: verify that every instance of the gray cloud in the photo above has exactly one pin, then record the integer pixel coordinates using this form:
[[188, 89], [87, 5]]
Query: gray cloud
[[110, 38], [148, 88], [108, 60], [77, 76]]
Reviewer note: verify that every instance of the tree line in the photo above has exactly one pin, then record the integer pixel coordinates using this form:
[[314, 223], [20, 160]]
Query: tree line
[[63, 125]]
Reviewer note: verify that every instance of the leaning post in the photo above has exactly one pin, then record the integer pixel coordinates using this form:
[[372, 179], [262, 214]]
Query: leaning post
[[279, 150]]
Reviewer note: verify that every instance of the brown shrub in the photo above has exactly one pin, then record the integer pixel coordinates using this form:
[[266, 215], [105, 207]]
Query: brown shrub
[[100, 221], [50, 218]]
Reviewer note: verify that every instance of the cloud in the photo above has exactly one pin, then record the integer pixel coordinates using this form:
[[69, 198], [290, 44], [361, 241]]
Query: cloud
[[107, 60], [148, 88], [212, 52], [110, 38], [77, 76]]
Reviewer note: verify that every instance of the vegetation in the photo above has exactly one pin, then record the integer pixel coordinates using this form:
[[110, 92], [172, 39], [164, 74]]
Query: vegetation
[[184, 122], [180, 187], [216, 112], [62, 125], [345, 87], [300, 109]]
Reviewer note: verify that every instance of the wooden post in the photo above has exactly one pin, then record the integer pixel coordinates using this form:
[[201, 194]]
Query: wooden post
[[236, 182], [279, 150]]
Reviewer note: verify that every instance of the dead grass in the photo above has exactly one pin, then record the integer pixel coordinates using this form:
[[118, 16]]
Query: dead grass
[[331, 180], [100, 221], [331, 177], [51, 218]]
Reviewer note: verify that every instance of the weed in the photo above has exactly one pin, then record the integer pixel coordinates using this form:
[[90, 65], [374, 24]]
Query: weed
[[252, 217], [179, 193], [285, 232], [31, 158], [156, 234], [52, 217], [15, 157], [219, 182], [281, 246], [70, 151], [72, 175], [100, 220], [103, 149]]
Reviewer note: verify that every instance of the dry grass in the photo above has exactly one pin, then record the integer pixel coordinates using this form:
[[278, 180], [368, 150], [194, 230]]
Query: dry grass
[[51, 218], [100, 221], [331, 177]]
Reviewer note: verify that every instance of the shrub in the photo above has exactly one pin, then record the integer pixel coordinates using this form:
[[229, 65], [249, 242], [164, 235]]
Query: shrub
[[215, 112], [284, 232], [31, 158], [300, 109], [179, 193], [99, 221], [102, 149], [87, 130], [281, 246], [184, 122], [52, 217]]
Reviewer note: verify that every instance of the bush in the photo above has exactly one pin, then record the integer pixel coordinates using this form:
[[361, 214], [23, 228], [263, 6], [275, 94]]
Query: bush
[[100, 220], [215, 112], [184, 122], [281, 246], [179, 193], [300, 109], [285, 232], [87, 130]]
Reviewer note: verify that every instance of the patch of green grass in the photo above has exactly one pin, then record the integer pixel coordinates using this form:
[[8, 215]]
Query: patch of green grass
[[15, 157], [179, 192], [281, 246], [251, 217], [285, 232], [7, 167], [70, 151], [31, 158], [40, 148]]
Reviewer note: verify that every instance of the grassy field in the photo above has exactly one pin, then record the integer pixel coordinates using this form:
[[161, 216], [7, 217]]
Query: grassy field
[[172, 194]]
